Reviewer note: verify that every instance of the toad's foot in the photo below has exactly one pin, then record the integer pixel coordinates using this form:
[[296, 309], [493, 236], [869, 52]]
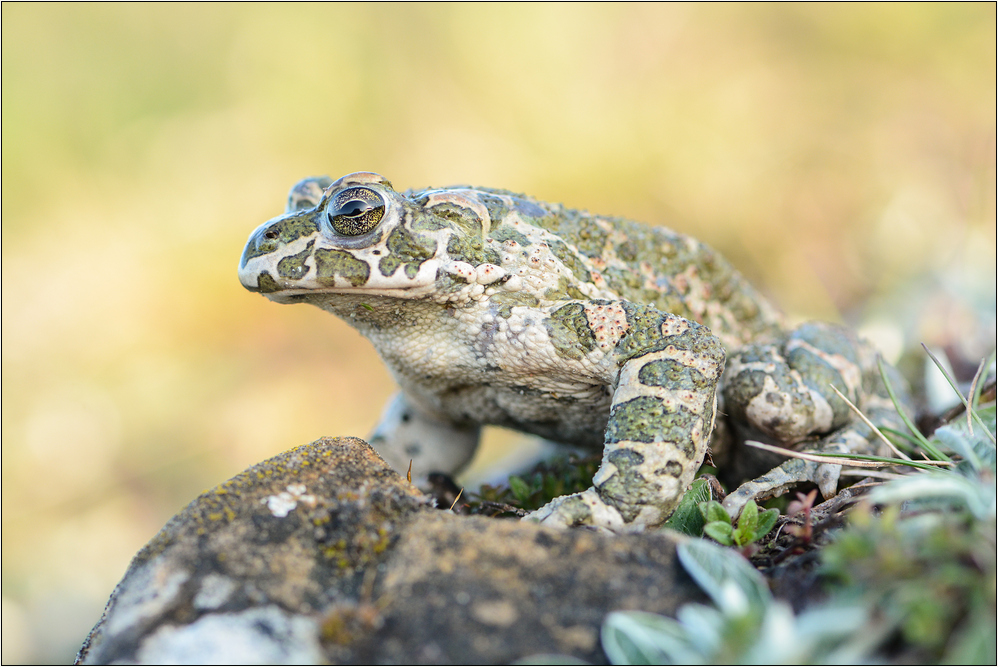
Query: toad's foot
[[778, 480], [585, 508], [857, 438], [410, 440]]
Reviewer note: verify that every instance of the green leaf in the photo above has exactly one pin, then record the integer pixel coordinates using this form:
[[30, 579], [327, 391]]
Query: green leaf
[[954, 440], [881, 459], [747, 523], [519, 488], [973, 444], [641, 638], [909, 439], [975, 645], [712, 566], [720, 531], [687, 518], [767, 520], [975, 495], [714, 511]]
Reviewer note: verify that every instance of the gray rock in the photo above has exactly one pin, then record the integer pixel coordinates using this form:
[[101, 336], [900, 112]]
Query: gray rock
[[476, 590], [269, 549], [324, 554]]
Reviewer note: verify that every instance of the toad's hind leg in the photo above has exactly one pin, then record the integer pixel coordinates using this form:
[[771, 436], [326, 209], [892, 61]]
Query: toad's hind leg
[[405, 434], [781, 394]]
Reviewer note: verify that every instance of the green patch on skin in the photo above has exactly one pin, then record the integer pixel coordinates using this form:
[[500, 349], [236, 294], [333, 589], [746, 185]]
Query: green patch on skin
[[827, 338], [468, 249], [578, 228], [755, 353], [281, 233], [645, 335], [818, 375], [508, 300], [449, 283], [644, 331], [663, 249], [740, 390], [667, 301], [294, 267], [570, 260], [440, 217], [266, 284], [647, 419], [332, 263], [673, 469], [576, 511], [622, 280], [568, 329], [503, 234], [628, 490], [408, 249], [672, 375], [565, 290], [627, 251]]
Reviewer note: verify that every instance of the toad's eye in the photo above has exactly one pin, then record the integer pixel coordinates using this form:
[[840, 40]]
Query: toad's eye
[[355, 211]]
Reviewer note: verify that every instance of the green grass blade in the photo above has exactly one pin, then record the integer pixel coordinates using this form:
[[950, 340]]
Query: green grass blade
[[931, 449], [879, 459], [904, 436]]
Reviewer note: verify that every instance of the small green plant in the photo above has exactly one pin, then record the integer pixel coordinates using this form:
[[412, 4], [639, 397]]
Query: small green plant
[[687, 518], [929, 570], [930, 576], [924, 574], [752, 524], [548, 480], [745, 625]]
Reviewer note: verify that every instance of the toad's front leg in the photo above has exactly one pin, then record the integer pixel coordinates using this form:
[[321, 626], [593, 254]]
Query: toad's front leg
[[659, 428]]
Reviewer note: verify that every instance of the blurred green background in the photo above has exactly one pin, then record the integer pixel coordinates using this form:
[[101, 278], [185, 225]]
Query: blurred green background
[[837, 154]]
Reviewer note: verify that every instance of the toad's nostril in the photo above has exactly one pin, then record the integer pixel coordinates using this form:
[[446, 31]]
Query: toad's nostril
[[270, 234]]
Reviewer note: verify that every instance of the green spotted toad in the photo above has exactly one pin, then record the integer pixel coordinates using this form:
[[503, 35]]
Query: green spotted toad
[[491, 307]]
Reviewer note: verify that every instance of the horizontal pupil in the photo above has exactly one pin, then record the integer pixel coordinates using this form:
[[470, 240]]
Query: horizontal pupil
[[353, 208]]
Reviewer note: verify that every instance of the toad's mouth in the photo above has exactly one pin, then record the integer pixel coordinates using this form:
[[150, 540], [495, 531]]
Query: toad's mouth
[[288, 296], [409, 281]]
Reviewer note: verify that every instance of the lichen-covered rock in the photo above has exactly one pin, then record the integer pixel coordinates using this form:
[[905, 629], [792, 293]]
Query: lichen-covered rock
[[484, 591], [244, 572], [324, 554]]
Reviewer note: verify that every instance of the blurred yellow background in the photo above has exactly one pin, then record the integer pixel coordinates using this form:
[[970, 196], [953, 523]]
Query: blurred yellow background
[[835, 153]]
